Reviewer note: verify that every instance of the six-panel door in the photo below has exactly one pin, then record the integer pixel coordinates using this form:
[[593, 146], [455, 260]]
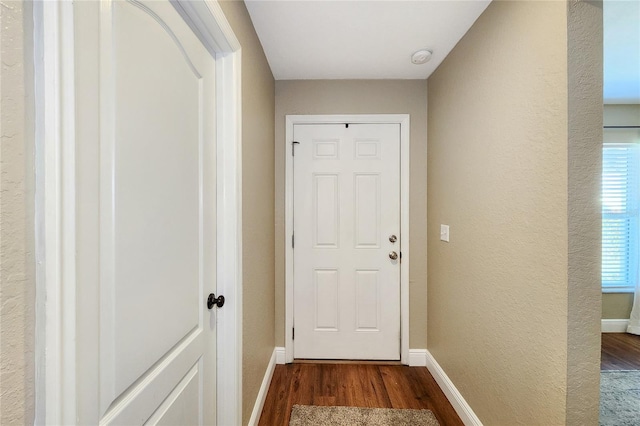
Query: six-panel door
[[346, 208]]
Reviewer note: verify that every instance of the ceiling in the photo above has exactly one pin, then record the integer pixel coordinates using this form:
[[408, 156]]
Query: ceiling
[[374, 39], [351, 39], [622, 51]]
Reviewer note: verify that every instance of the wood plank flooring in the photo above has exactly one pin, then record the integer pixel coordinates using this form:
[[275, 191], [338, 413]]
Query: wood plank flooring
[[355, 385], [620, 351]]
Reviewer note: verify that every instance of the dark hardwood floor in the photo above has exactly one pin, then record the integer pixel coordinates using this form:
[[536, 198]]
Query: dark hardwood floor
[[620, 351], [356, 385], [393, 386]]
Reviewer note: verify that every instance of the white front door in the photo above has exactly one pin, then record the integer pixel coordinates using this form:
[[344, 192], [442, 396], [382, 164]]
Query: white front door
[[346, 238], [146, 214]]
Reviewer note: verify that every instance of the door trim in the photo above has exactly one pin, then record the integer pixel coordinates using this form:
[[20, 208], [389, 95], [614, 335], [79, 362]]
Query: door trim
[[404, 121], [56, 368]]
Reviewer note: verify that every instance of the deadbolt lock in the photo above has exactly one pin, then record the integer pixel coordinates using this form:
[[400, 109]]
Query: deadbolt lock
[[393, 238]]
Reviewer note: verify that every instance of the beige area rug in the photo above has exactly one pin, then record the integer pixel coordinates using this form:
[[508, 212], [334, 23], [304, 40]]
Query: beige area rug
[[313, 415]]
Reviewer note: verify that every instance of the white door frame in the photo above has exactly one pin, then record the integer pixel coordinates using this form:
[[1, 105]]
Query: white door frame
[[56, 368], [401, 119]]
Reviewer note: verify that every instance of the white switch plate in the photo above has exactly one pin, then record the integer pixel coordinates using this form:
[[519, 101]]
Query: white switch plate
[[444, 233]]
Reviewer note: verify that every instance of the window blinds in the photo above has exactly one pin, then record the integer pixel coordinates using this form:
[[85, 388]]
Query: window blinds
[[620, 192]]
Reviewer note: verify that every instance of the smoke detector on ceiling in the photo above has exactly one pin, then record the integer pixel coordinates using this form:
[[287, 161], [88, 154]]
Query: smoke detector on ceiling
[[421, 56]]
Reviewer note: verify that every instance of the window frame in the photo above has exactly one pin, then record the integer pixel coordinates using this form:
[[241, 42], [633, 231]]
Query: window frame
[[624, 136]]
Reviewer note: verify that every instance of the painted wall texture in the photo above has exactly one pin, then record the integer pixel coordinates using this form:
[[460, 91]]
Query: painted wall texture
[[17, 274], [619, 305], [514, 130], [257, 205], [361, 97], [584, 70]]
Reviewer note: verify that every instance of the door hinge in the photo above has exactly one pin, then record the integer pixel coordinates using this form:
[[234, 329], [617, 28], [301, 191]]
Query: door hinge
[[293, 147], [293, 240], [293, 334]]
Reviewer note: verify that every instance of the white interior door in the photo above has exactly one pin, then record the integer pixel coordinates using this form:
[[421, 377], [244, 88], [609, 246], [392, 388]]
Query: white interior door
[[146, 214], [346, 210]]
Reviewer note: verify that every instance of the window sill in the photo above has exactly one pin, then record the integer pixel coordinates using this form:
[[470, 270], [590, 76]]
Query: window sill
[[617, 290]]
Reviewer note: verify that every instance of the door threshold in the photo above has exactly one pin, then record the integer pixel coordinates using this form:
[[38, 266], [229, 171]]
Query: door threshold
[[345, 361]]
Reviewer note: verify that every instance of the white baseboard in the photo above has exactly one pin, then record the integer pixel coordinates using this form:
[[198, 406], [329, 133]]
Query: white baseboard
[[264, 388], [280, 359], [463, 409], [614, 325], [417, 357]]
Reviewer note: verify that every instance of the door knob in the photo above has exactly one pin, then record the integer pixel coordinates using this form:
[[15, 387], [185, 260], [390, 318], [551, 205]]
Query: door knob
[[393, 238], [213, 300], [393, 255]]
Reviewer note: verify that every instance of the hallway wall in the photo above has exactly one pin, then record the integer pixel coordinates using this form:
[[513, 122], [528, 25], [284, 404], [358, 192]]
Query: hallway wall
[[17, 262], [258, 94], [361, 97], [514, 158]]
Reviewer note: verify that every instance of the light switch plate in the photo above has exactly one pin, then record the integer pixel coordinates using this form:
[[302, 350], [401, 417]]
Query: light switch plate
[[444, 233]]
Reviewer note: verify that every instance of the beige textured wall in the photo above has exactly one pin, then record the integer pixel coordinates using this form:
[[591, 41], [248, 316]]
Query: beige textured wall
[[257, 205], [622, 115], [618, 305], [17, 288], [499, 174], [361, 97], [584, 69]]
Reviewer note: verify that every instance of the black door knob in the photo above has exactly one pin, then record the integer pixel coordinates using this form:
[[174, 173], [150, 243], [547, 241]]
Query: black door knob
[[213, 300]]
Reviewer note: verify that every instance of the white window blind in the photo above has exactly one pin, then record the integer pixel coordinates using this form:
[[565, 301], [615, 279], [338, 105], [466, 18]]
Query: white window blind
[[620, 193]]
